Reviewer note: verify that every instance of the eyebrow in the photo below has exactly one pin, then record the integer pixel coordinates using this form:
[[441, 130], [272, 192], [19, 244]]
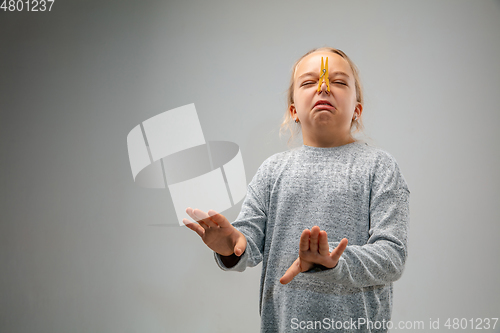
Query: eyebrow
[[315, 74]]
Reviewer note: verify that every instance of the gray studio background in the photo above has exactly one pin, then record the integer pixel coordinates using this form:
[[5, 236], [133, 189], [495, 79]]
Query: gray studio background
[[83, 249]]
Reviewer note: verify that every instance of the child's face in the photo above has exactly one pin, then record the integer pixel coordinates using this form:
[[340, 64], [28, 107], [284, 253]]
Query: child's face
[[324, 122]]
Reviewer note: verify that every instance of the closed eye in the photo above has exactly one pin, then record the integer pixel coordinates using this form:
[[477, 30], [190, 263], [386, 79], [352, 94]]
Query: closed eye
[[340, 82], [307, 83]]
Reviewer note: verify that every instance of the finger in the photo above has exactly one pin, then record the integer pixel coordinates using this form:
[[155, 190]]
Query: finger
[[304, 240], [194, 226], [219, 219], [313, 243], [291, 272], [337, 252], [324, 248], [241, 245], [203, 217], [190, 212]]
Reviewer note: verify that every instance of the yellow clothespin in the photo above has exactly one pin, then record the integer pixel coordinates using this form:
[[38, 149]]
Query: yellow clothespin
[[323, 75]]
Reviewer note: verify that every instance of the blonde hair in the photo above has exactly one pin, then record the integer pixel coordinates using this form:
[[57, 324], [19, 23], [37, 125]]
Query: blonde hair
[[289, 124]]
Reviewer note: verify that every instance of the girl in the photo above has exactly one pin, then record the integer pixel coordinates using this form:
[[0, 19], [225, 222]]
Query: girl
[[340, 188]]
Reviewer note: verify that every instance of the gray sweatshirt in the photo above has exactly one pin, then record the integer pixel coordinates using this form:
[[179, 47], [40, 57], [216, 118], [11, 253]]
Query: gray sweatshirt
[[354, 191]]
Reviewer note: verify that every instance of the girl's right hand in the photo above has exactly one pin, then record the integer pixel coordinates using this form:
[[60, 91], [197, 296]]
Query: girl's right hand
[[216, 232]]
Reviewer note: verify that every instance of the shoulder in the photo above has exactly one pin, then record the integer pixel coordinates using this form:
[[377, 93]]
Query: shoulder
[[275, 158], [383, 165], [375, 155], [278, 160], [273, 166]]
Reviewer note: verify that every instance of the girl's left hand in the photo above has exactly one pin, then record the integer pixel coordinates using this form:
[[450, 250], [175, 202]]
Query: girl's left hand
[[314, 249]]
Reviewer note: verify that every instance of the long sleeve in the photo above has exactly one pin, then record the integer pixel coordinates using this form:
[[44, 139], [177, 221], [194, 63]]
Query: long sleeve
[[354, 191], [251, 221], [381, 260]]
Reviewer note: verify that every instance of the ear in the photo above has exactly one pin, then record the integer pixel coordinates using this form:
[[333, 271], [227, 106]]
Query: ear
[[293, 111], [358, 110]]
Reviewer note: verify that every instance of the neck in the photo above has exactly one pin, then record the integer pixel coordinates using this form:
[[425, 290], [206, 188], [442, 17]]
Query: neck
[[327, 142]]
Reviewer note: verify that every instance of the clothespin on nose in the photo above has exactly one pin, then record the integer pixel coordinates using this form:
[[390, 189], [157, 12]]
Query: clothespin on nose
[[323, 75]]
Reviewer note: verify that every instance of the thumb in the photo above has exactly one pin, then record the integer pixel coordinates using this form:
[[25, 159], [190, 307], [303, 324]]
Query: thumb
[[337, 252], [241, 245], [291, 272]]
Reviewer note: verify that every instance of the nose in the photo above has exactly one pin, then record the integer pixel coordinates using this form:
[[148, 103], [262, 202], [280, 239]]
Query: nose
[[324, 88]]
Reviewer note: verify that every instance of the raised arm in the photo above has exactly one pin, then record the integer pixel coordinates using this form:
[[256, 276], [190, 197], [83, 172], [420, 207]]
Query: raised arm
[[218, 234], [241, 243], [381, 260], [314, 250]]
